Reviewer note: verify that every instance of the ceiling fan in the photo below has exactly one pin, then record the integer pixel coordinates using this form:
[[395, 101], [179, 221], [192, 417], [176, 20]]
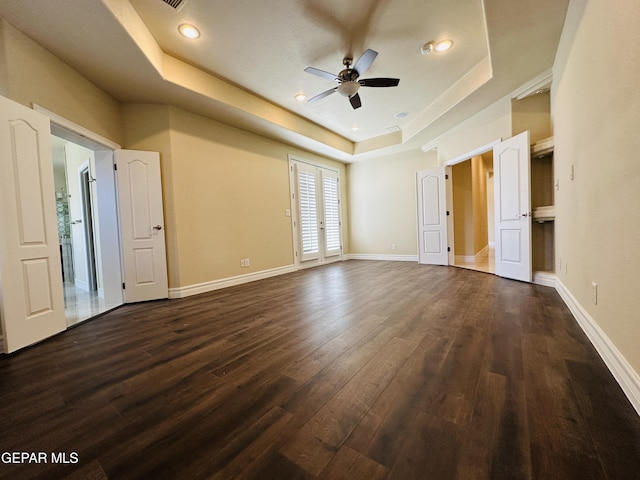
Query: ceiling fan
[[348, 83]]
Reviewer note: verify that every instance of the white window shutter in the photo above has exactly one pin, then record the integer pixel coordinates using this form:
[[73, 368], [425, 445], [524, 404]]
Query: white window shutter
[[308, 213], [331, 202]]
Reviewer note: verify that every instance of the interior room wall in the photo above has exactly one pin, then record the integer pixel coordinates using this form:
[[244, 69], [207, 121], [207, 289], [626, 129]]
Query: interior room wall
[[32, 75], [492, 123], [479, 203], [383, 203], [596, 113], [532, 113], [487, 159], [463, 233], [226, 192], [470, 207]]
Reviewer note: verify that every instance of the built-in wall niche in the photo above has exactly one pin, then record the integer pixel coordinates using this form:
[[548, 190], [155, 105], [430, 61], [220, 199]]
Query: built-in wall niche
[[543, 206]]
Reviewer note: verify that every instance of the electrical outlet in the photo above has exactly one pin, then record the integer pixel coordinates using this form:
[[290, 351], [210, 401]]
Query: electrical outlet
[[394, 246], [594, 292], [242, 264], [247, 262]]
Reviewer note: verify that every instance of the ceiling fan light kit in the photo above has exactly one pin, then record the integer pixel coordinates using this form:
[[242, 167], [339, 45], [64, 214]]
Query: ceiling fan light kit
[[348, 79]]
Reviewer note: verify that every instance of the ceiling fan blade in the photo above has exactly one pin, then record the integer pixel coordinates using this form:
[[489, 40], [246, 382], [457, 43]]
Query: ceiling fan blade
[[355, 102], [379, 82], [365, 61], [320, 96], [321, 73]]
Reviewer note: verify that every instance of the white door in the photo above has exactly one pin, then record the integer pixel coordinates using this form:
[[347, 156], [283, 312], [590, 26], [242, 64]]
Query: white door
[[432, 217], [511, 167], [141, 225], [307, 212], [316, 205], [31, 293]]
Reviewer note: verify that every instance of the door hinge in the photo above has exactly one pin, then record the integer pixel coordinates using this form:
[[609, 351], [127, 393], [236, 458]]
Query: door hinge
[[115, 166], [447, 212], [446, 177], [123, 287], [448, 249]]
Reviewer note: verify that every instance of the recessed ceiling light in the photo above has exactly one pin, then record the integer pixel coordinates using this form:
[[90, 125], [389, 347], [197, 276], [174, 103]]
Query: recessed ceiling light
[[401, 115], [188, 31], [427, 48], [443, 46], [301, 97]]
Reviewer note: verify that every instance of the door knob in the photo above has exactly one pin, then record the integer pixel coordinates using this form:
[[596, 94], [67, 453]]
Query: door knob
[[158, 227]]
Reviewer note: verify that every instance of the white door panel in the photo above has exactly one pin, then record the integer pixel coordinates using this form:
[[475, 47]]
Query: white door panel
[[316, 207], [432, 217], [511, 160], [31, 294], [142, 225]]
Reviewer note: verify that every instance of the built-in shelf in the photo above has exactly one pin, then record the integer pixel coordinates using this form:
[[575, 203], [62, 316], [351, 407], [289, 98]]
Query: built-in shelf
[[544, 214], [542, 147], [543, 211]]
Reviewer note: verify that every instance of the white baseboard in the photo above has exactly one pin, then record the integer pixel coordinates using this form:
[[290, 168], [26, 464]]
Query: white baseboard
[[624, 374], [377, 256], [477, 258], [545, 279], [465, 258], [189, 290]]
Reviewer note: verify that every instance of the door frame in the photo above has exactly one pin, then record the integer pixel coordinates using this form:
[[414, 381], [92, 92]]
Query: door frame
[[488, 147], [299, 263], [103, 149]]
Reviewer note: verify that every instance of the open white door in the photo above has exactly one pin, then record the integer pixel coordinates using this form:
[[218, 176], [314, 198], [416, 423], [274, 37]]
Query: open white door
[[432, 217], [511, 167], [31, 293], [141, 225]]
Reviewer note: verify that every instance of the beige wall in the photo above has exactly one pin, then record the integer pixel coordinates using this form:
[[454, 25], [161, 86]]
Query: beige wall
[[383, 204], [225, 192], [534, 114], [469, 180], [596, 114], [492, 123], [30, 74]]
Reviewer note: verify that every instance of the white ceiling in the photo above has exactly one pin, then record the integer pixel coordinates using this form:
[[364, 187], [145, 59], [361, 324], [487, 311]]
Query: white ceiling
[[250, 60]]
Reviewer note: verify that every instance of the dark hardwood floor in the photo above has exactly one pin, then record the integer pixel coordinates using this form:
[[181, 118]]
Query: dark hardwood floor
[[357, 370]]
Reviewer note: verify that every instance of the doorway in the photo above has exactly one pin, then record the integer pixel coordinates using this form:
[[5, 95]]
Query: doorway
[[317, 228], [473, 213], [85, 197]]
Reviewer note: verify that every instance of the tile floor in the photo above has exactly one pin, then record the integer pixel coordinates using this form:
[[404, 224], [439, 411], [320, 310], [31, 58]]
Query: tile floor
[[81, 305]]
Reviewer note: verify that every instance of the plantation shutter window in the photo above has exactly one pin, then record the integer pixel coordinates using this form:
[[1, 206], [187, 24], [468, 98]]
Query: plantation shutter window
[[308, 213], [331, 204], [317, 229]]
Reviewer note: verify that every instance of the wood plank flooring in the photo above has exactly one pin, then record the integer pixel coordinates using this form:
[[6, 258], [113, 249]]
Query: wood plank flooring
[[356, 370]]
